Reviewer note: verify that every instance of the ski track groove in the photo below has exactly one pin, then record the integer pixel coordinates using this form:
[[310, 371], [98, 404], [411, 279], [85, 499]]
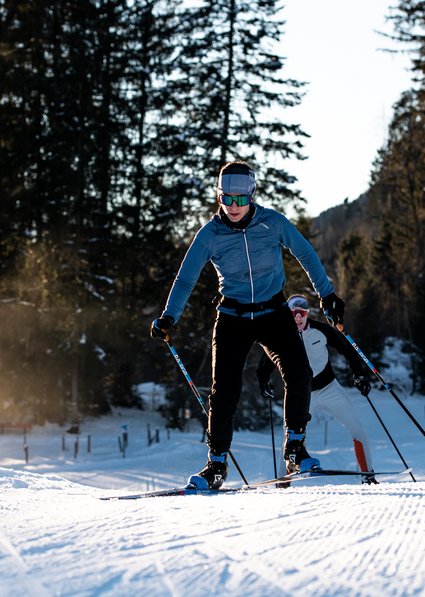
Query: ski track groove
[[171, 547], [307, 539], [165, 579], [368, 551], [31, 585], [357, 551], [261, 528]]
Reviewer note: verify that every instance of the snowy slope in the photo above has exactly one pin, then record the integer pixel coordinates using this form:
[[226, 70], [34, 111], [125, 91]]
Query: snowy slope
[[316, 538]]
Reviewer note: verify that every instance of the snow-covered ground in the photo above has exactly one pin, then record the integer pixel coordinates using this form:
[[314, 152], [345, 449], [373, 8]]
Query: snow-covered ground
[[318, 538]]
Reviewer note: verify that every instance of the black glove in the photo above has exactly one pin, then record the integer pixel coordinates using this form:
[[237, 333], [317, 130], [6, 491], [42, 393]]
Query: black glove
[[333, 306], [160, 327], [362, 384], [267, 389]]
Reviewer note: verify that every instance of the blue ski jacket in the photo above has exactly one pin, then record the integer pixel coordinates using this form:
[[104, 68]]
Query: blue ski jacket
[[248, 262]]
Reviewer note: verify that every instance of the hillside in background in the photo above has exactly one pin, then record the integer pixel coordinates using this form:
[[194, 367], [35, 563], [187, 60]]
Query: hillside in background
[[334, 225]]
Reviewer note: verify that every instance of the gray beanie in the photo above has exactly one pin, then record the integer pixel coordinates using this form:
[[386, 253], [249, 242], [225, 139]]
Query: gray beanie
[[236, 178], [298, 301]]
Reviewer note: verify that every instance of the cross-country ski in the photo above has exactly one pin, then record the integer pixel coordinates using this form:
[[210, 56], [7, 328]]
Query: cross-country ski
[[191, 490]]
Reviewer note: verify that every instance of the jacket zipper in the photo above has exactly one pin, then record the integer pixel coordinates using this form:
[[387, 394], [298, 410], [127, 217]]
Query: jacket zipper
[[250, 270]]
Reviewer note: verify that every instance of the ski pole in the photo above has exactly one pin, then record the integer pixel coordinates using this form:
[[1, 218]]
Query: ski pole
[[272, 432], [389, 436], [374, 370], [199, 397]]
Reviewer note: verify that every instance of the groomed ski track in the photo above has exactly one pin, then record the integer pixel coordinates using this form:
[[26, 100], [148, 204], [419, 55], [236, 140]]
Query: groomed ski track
[[318, 538], [329, 540]]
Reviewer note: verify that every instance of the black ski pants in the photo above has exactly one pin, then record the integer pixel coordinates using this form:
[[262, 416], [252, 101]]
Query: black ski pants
[[232, 340]]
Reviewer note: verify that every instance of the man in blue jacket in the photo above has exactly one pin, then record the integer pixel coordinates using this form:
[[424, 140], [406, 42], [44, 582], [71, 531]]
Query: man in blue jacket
[[244, 241]]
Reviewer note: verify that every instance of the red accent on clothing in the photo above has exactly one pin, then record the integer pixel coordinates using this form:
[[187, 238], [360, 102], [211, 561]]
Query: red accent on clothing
[[360, 455]]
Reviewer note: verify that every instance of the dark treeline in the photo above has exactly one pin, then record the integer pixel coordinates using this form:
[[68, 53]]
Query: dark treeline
[[115, 117], [378, 256]]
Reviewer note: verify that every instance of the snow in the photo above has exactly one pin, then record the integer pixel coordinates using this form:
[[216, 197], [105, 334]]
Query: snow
[[320, 537], [397, 364]]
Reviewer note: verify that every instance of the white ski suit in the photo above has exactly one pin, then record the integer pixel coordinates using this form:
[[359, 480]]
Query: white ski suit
[[327, 393]]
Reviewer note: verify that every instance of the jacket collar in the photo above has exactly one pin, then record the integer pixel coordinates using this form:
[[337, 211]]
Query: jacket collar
[[242, 224]]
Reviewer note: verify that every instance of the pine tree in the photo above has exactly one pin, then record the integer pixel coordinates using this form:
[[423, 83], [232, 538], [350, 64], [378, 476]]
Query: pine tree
[[397, 199], [232, 65]]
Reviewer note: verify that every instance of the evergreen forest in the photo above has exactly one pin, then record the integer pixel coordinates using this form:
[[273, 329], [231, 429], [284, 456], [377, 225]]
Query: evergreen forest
[[116, 116]]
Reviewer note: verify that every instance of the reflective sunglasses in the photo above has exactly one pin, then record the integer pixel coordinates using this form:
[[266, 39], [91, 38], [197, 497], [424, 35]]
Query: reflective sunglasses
[[302, 312], [240, 200]]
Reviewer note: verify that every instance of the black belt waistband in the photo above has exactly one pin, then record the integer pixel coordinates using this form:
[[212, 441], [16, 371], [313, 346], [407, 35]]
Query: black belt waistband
[[274, 303]]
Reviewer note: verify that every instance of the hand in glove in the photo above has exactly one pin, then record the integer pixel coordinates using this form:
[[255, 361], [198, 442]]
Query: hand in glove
[[160, 327], [333, 306], [362, 384], [267, 389]]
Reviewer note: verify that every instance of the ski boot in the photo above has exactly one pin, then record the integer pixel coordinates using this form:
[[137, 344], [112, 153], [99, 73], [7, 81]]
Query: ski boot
[[212, 475], [369, 480], [297, 459]]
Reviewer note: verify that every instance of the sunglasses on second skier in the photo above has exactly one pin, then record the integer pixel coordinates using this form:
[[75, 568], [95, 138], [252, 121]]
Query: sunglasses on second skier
[[302, 312], [240, 200]]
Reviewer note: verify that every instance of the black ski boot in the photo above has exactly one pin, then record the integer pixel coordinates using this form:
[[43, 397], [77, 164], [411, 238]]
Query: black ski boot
[[212, 475], [369, 480], [297, 459]]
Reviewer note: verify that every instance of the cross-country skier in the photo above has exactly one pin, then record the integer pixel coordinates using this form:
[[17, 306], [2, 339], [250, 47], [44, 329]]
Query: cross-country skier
[[327, 394], [244, 242]]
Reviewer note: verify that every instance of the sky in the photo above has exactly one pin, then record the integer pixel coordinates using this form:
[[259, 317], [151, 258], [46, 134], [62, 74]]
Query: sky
[[333, 45]]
